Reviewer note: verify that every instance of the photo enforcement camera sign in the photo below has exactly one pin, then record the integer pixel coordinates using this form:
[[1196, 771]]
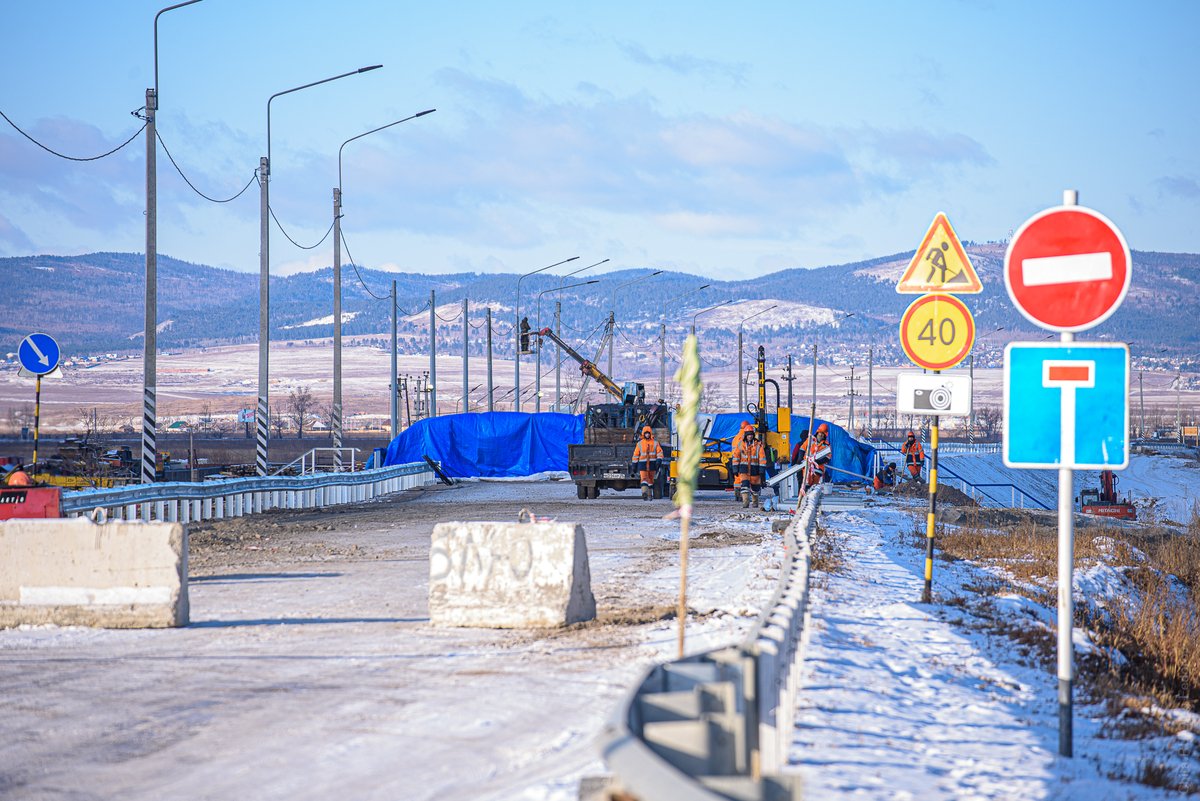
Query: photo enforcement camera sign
[[933, 393]]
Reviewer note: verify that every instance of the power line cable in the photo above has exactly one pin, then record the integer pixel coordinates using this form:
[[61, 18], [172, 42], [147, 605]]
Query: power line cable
[[279, 225], [253, 177], [53, 152], [357, 273]]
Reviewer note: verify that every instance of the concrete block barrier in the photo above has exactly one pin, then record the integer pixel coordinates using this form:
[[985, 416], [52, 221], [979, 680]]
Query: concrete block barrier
[[509, 575], [73, 572]]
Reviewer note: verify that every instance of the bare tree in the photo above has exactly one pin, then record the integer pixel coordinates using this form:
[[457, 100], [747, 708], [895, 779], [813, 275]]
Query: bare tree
[[301, 403], [988, 419], [279, 420]]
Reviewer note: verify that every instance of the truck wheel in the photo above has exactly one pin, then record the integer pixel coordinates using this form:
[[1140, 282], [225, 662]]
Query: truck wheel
[[595, 491], [581, 491]]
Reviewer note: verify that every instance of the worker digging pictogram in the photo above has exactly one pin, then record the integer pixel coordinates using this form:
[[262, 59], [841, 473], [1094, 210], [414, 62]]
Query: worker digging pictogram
[[940, 264]]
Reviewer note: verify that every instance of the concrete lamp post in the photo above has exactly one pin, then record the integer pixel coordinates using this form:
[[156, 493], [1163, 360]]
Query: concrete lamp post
[[517, 333], [264, 268], [336, 433], [538, 370]]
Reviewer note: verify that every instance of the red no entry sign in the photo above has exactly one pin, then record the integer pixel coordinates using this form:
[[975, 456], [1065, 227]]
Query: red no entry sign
[[1067, 268]]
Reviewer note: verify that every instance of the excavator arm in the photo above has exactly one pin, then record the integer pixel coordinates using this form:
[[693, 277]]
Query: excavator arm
[[585, 366]]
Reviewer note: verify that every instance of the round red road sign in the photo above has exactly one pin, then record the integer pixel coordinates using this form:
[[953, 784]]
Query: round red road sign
[[1067, 268]]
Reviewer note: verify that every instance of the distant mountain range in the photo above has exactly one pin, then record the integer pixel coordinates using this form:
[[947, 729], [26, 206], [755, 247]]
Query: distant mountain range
[[94, 304]]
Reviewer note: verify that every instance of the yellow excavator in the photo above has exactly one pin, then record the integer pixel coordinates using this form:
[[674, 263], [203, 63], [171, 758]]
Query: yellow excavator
[[715, 462]]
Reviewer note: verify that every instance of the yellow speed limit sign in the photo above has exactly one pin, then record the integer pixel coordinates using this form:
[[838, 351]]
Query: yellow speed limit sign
[[937, 331]]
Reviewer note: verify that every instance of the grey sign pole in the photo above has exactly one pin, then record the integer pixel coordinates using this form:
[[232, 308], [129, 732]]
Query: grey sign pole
[[1066, 569]]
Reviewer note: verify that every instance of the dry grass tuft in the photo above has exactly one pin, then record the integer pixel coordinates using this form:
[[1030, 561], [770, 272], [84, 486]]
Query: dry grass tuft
[[828, 551]]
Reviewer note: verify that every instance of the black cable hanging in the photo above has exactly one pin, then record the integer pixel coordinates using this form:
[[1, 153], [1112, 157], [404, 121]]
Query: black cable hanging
[[53, 152]]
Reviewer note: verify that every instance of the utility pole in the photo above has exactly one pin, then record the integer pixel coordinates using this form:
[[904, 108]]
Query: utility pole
[[466, 335], [431, 406], [392, 382], [612, 331], [1141, 406], [662, 361], [1179, 404], [491, 387], [851, 394], [741, 384], [557, 356], [262, 422], [870, 391], [971, 417], [150, 340]]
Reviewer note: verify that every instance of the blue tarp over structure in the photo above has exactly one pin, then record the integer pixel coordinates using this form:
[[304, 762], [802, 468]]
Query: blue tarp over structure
[[491, 444], [848, 453]]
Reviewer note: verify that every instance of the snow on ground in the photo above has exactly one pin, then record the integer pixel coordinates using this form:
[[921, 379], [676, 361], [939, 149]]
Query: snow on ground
[[310, 669], [905, 700], [1169, 485]]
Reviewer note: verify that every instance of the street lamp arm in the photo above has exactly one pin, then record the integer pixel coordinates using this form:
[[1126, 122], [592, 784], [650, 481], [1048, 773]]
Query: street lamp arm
[[577, 272], [306, 86], [156, 16], [373, 130]]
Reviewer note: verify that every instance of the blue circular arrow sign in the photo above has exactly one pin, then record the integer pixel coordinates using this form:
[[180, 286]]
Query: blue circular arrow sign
[[39, 354]]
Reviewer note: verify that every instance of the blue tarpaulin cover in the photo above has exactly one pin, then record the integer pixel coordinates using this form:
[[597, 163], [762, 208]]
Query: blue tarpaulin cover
[[490, 444], [848, 453]]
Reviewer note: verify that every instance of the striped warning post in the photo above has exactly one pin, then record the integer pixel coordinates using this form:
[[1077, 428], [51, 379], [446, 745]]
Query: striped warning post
[[149, 435], [337, 436], [261, 422]]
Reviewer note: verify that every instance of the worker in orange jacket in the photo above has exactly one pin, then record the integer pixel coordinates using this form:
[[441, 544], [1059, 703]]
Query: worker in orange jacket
[[914, 456], [749, 467], [820, 454], [647, 456]]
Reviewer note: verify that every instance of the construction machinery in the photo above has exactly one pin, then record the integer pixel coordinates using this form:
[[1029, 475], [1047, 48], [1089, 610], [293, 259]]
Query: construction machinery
[[716, 472], [1105, 500], [610, 430]]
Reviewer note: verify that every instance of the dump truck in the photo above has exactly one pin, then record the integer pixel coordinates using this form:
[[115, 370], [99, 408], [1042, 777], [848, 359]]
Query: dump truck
[[610, 432]]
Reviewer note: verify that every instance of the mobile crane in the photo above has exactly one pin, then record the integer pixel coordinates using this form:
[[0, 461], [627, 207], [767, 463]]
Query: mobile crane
[[604, 458]]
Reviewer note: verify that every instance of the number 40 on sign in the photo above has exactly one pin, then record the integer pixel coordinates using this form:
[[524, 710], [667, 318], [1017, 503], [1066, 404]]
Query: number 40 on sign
[[937, 331]]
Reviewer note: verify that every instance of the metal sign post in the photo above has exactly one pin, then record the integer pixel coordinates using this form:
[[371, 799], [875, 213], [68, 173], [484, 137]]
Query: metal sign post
[[1067, 269]]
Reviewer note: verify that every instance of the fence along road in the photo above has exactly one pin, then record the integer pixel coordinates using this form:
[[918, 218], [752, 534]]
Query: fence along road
[[716, 726], [183, 502]]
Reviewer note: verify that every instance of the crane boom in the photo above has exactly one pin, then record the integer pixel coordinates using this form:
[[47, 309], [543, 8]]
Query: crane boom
[[585, 366]]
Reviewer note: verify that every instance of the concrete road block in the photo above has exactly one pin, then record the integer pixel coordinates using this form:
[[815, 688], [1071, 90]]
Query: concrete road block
[[73, 572], [509, 575]]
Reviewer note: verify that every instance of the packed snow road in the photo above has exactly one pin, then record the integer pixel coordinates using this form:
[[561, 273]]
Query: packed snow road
[[310, 670]]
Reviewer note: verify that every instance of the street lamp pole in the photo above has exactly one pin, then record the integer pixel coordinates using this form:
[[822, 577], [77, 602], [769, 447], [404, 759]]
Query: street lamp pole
[[517, 333], [150, 338], [558, 331], [741, 377], [612, 315], [537, 407], [337, 290], [662, 340], [264, 269], [706, 311]]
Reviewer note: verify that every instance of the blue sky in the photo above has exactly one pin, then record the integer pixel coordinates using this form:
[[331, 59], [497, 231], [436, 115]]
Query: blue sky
[[721, 140]]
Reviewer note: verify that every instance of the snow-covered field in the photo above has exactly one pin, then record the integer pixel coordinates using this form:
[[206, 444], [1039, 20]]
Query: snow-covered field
[[903, 700]]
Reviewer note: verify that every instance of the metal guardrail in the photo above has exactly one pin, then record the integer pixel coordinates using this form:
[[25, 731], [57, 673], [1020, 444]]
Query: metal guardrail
[[716, 726], [1018, 495], [186, 502]]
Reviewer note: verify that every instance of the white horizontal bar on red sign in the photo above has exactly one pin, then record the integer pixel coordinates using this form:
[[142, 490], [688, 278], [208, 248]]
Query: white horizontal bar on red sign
[[1069, 374], [1070, 269]]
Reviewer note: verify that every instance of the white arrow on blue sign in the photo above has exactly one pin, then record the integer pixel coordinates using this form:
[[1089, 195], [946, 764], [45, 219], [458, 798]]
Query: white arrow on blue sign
[[38, 353], [1066, 405]]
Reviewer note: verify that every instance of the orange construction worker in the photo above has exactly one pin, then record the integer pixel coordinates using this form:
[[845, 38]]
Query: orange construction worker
[[886, 478], [18, 477], [749, 467], [914, 456], [819, 455], [647, 455]]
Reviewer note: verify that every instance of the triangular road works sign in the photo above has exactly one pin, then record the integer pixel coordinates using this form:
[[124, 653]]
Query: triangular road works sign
[[940, 264]]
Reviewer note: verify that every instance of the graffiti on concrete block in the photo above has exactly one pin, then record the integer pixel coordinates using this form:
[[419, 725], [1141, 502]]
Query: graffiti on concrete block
[[481, 558]]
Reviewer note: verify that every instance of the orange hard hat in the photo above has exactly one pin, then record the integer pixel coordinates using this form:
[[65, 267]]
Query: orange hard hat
[[647, 430], [823, 427], [911, 434], [746, 424]]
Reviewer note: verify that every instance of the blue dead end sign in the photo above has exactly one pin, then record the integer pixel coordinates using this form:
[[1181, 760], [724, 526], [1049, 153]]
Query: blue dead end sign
[[1066, 405], [39, 353]]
